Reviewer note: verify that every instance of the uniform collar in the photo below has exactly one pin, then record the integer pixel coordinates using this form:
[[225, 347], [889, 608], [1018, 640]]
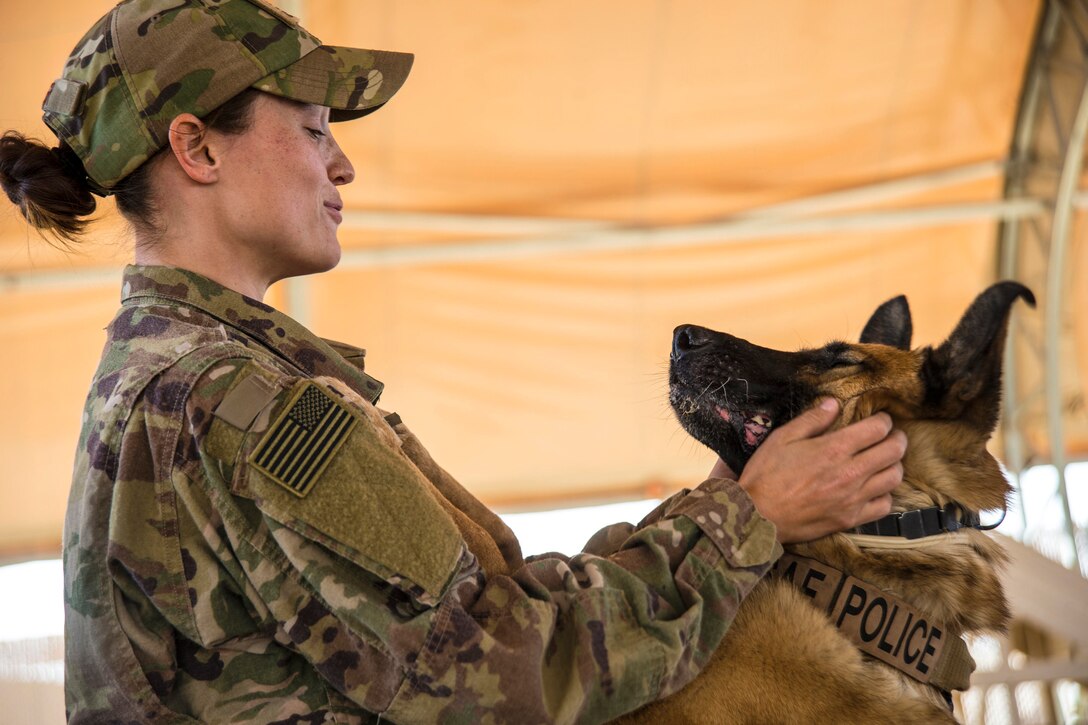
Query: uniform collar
[[251, 319]]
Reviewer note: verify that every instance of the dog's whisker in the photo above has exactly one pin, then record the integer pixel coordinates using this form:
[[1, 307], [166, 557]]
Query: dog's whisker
[[700, 395], [747, 394], [721, 388]]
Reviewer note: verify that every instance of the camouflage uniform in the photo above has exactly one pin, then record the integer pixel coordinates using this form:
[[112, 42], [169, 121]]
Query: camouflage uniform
[[248, 539]]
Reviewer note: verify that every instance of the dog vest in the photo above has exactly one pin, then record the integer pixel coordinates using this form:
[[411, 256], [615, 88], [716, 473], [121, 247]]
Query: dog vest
[[881, 624]]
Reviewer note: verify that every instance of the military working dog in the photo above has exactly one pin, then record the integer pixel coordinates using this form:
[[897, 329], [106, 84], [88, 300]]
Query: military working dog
[[863, 626]]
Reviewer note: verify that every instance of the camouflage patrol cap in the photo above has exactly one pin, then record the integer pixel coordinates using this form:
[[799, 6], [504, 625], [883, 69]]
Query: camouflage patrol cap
[[146, 61]]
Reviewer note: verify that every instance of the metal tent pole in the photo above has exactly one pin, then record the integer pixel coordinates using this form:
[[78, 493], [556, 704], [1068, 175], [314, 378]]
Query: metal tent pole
[[1045, 164]]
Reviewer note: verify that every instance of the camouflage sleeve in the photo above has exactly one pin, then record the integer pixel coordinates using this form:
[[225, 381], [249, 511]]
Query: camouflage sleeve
[[349, 559], [609, 539]]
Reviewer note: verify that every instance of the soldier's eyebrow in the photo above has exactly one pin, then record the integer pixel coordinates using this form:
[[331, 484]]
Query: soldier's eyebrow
[[304, 107], [318, 114]]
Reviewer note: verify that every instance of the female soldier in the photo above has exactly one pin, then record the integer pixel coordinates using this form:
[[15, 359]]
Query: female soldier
[[248, 538]]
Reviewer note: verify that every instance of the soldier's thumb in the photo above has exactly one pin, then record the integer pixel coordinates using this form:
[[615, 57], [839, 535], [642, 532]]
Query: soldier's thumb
[[815, 420]]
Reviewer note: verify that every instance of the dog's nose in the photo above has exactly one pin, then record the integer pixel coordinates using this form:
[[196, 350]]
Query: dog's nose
[[686, 339]]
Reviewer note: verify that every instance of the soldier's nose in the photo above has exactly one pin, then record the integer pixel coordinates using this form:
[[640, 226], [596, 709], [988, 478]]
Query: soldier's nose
[[686, 339]]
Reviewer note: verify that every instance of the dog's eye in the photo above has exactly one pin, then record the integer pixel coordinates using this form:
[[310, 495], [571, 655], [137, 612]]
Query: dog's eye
[[845, 363]]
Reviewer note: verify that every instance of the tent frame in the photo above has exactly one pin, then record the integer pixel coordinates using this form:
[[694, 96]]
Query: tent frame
[[1045, 165]]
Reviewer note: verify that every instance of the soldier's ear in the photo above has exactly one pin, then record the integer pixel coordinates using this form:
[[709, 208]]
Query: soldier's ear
[[190, 144], [890, 324]]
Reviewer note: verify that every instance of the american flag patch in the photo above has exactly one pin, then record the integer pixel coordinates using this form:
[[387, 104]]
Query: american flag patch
[[304, 439]]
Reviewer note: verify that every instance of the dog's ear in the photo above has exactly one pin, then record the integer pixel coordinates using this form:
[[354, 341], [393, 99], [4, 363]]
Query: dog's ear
[[963, 376], [890, 324]]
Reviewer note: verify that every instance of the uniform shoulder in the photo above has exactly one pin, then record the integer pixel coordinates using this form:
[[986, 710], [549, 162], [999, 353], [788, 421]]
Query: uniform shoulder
[[214, 378]]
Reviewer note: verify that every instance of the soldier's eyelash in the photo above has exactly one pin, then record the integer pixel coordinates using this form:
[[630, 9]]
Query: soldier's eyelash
[[316, 132]]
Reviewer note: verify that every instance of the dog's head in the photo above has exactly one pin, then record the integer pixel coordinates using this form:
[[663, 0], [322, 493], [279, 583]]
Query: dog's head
[[729, 394]]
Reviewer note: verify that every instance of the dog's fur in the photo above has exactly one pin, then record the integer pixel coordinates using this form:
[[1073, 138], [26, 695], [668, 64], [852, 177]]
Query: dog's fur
[[783, 661]]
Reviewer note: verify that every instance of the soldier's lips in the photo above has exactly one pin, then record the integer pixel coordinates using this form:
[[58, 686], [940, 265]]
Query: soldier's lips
[[334, 210]]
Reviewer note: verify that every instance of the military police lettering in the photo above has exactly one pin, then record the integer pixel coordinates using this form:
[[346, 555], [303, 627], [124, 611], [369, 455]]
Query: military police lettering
[[879, 623]]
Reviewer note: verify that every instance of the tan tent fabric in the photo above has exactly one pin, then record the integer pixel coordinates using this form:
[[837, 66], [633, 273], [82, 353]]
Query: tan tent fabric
[[542, 379]]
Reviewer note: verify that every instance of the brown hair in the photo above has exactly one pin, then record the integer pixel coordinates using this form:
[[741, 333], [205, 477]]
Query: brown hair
[[51, 188]]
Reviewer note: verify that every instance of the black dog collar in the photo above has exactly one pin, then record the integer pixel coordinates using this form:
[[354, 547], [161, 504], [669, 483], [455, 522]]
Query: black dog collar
[[920, 523]]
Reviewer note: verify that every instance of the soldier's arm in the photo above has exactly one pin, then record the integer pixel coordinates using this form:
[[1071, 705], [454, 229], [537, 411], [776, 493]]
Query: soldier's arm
[[611, 538], [349, 557]]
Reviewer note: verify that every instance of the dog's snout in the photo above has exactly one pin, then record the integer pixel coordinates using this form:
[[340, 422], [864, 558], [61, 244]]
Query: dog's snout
[[686, 339]]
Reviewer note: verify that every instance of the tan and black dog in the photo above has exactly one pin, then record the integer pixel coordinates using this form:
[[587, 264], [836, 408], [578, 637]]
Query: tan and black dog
[[865, 626]]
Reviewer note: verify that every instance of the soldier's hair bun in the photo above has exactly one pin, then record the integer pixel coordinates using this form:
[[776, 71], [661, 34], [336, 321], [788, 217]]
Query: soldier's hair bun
[[48, 185]]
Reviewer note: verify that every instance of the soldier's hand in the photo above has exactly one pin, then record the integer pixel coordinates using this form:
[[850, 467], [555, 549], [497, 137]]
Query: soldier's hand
[[721, 469], [811, 483]]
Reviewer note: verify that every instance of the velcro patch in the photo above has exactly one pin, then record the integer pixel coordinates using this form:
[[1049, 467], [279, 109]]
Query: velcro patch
[[65, 97], [245, 401], [299, 445]]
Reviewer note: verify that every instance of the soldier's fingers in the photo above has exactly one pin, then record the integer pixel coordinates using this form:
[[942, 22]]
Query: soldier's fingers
[[864, 433], [883, 482], [874, 509], [810, 423], [882, 454]]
